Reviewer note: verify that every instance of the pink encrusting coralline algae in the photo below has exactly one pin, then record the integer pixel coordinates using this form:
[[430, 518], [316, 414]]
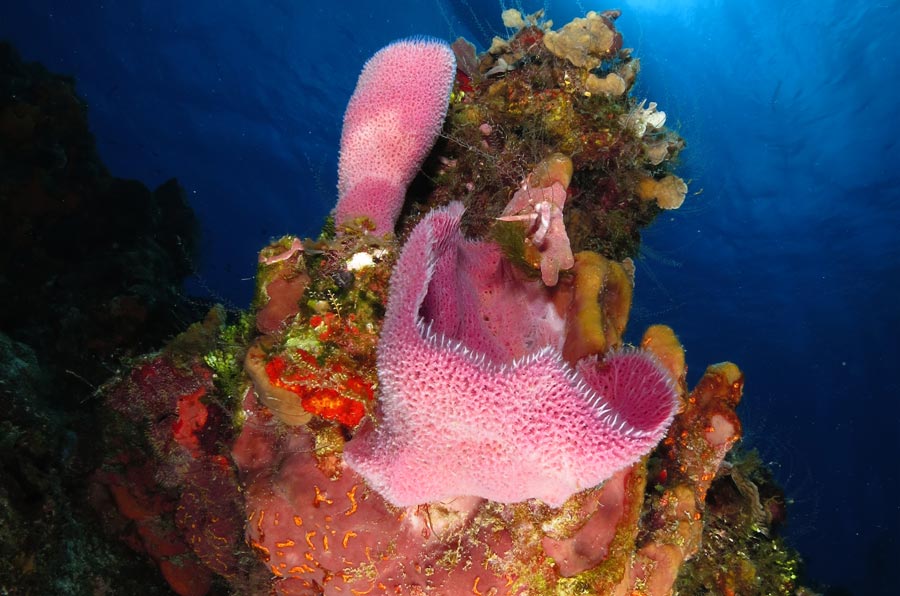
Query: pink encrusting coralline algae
[[476, 398], [391, 123]]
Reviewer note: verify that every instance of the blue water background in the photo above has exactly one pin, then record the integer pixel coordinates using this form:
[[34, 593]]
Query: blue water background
[[787, 262]]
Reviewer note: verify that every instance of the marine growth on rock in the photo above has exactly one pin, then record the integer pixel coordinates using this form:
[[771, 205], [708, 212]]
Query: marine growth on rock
[[435, 395]]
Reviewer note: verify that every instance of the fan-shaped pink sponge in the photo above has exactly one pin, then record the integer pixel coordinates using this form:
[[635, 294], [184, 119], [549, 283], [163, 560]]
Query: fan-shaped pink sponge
[[476, 398], [391, 123]]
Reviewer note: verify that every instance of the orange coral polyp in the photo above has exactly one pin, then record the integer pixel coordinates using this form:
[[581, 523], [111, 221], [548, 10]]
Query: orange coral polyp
[[360, 388], [331, 405], [326, 325], [192, 416], [306, 378], [287, 375]]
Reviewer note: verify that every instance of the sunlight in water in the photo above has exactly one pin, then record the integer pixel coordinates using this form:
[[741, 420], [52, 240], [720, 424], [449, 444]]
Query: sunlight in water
[[668, 6]]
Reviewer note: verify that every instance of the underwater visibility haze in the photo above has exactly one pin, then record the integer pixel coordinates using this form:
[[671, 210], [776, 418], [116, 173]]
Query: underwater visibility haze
[[718, 175]]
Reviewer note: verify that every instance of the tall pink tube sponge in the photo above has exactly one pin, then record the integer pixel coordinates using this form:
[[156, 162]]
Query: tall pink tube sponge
[[392, 121], [476, 398]]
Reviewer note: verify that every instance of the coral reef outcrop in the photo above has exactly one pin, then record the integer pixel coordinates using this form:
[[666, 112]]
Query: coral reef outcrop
[[436, 396]]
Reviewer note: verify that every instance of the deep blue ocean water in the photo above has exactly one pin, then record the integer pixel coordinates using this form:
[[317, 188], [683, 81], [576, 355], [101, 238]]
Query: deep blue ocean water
[[787, 263]]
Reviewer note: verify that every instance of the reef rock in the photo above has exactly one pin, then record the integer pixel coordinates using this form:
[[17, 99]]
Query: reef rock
[[454, 409]]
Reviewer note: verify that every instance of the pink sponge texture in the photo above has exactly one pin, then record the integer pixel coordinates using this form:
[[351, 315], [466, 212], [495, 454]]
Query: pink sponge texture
[[472, 405], [392, 121]]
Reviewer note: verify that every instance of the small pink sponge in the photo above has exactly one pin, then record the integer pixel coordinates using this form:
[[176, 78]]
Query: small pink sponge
[[392, 121]]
